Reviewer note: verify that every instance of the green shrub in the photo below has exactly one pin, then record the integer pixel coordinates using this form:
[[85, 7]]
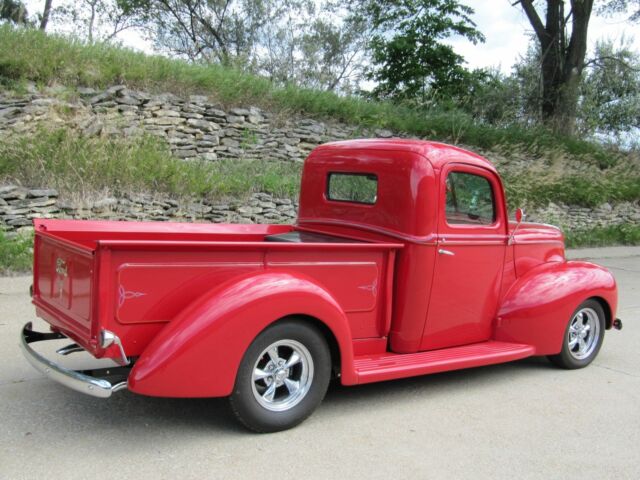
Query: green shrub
[[625, 234], [16, 253]]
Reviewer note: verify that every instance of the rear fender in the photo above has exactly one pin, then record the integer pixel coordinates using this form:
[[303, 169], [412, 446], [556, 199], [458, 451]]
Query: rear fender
[[198, 353], [536, 309]]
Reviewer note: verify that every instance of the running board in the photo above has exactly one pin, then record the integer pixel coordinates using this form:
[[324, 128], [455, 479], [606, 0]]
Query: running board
[[378, 368]]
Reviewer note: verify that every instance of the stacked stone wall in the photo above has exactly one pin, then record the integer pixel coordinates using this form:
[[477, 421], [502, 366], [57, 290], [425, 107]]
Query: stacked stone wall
[[195, 128]]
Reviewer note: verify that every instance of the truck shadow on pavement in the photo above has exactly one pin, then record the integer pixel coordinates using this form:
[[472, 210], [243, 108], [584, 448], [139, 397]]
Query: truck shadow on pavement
[[126, 411], [434, 385]]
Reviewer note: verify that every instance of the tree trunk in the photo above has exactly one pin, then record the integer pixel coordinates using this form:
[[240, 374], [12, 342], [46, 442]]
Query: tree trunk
[[561, 63], [45, 15], [92, 19]]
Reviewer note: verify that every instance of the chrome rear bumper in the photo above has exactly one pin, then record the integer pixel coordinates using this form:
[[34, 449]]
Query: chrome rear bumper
[[88, 382]]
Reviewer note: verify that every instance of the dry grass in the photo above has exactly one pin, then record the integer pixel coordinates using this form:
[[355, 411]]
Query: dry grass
[[82, 167]]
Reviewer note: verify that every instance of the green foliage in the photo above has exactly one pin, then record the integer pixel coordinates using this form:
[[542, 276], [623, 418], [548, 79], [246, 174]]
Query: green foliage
[[77, 165], [94, 20], [618, 184], [608, 106], [353, 187], [625, 234], [508, 100], [410, 60], [16, 253], [610, 91], [14, 11], [303, 42], [625, 7], [469, 199], [27, 54]]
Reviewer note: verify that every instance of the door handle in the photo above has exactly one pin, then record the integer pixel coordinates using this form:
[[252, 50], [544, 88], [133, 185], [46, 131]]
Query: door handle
[[442, 251]]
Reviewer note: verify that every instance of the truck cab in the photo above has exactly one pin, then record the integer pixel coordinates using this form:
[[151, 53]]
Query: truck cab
[[447, 208], [402, 262]]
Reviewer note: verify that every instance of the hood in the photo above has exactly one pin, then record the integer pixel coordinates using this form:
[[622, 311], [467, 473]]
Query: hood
[[529, 232], [535, 244]]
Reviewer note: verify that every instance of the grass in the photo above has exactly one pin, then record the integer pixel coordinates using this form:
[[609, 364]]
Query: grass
[[586, 189], [79, 166], [625, 234], [28, 54], [16, 253]]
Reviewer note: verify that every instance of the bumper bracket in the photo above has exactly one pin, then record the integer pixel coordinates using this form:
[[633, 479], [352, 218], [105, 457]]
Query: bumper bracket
[[88, 382]]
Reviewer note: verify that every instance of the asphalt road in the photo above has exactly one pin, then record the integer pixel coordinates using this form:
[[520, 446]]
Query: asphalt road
[[521, 420]]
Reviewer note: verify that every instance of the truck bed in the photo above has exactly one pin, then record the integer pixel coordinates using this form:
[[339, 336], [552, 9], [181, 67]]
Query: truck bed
[[132, 278]]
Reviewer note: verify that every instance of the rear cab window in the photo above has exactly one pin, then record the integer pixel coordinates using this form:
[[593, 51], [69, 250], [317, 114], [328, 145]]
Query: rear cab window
[[352, 187]]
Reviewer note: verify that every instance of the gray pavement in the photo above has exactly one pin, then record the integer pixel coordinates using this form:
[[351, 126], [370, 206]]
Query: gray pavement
[[520, 420]]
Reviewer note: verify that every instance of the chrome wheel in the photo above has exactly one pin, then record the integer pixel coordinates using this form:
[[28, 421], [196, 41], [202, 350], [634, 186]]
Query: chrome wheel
[[584, 333], [282, 375]]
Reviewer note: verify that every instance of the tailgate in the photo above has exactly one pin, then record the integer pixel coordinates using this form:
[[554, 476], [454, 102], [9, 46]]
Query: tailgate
[[63, 285]]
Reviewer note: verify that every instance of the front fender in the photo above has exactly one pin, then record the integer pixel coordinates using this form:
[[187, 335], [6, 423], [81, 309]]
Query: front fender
[[536, 309], [199, 352]]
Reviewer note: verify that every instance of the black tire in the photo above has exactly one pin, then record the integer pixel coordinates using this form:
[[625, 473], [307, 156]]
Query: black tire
[[272, 404], [573, 356]]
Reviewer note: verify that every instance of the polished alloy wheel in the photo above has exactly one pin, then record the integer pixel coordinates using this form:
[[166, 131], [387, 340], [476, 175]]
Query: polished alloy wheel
[[282, 375], [584, 333]]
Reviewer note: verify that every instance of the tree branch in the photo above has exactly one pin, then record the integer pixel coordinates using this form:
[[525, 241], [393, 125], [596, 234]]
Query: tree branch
[[599, 61], [534, 18]]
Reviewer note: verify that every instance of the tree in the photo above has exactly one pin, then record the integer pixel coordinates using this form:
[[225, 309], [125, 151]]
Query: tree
[[496, 99], [303, 42], [610, 92], [608, 104], [563, 45], [45, 15], [317, 46], [562, 39], [95, 20], [14, 11], [627, 7], [211, 30], [409, 59], [334, 54]]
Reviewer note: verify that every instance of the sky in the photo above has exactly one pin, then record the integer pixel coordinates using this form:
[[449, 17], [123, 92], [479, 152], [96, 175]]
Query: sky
[[505, 27], [508, 34]]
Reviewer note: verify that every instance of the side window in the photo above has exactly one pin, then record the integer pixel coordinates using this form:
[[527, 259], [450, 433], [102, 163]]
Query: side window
[[352, 187], [470, 200]]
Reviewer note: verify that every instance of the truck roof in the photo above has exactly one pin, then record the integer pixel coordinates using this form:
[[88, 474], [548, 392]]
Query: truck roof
[[407, 176], [437, 153]]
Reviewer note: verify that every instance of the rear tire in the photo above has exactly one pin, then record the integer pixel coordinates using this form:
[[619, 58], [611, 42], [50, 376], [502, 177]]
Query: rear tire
[[282, 378], [583, 336]]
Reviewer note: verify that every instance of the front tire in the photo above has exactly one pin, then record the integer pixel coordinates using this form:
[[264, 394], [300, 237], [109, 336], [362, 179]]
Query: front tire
[[583, 336], [282, 378]]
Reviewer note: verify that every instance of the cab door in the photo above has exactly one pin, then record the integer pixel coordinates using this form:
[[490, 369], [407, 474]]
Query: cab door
[[471, 245]]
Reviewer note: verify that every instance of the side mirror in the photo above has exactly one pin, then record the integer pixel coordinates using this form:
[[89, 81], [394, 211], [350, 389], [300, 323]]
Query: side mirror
[[520, 216]]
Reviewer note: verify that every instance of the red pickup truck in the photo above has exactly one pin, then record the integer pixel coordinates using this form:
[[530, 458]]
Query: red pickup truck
[[402, 262]]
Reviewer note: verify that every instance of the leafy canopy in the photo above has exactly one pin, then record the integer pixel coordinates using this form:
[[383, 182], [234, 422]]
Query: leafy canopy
[[409, 57]]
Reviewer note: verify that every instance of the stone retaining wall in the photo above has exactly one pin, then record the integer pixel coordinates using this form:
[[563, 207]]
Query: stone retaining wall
[[19, 206], [197, 128], [194, 127]]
